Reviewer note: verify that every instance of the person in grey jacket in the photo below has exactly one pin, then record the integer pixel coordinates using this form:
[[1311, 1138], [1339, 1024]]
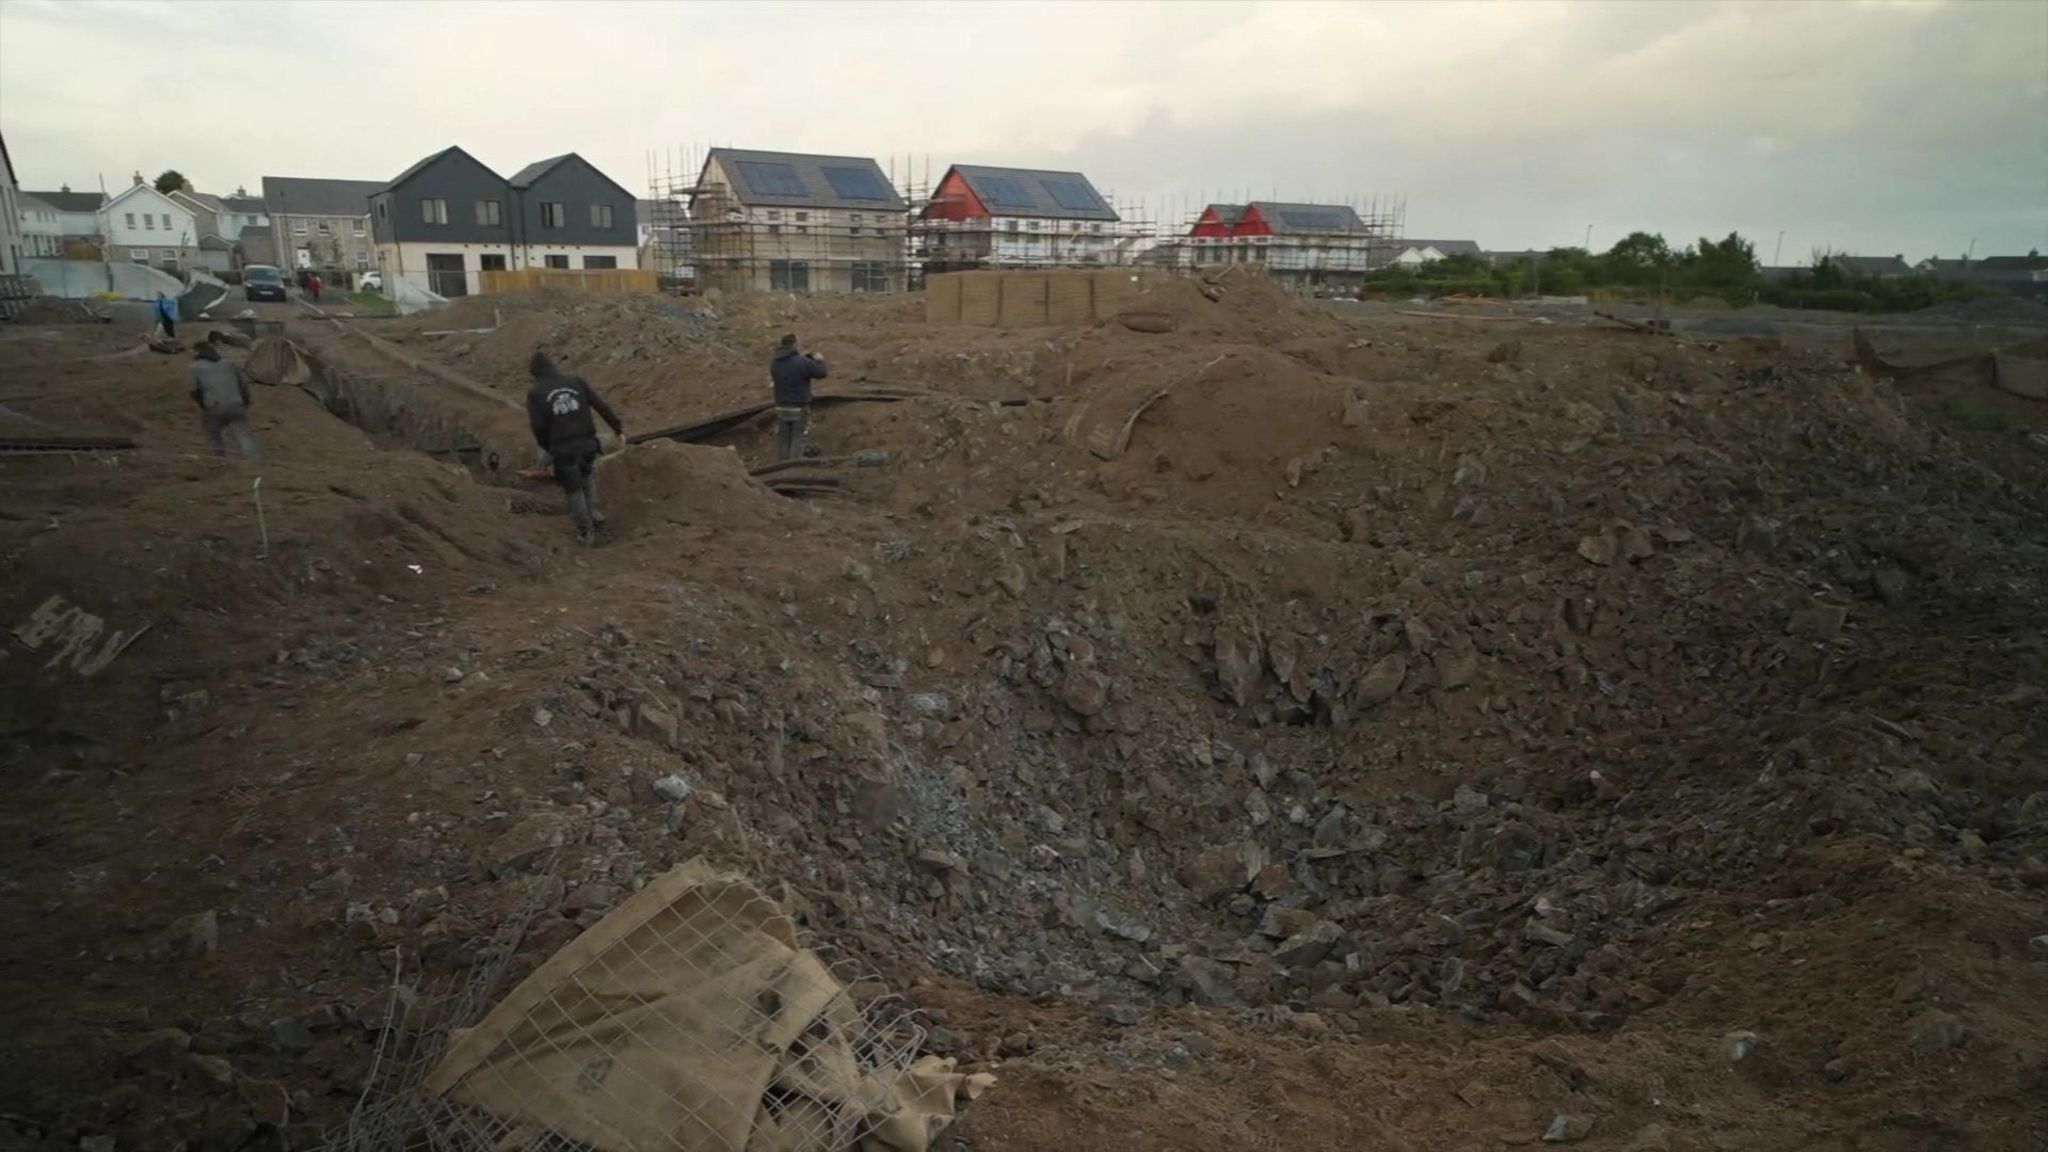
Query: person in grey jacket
[[222, 393], [792, 371]]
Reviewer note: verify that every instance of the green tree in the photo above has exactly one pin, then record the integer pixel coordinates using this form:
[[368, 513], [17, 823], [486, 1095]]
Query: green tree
[[170, 180], [1639, 258], [1726, 265]]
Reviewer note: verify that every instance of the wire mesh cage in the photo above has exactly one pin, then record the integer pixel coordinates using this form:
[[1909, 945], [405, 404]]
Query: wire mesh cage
[[690, 1018]]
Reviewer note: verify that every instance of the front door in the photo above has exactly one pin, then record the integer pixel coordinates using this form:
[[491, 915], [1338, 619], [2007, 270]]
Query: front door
[[445, 276]]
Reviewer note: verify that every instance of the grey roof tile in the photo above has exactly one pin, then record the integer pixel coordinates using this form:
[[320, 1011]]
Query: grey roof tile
[[801, 180]]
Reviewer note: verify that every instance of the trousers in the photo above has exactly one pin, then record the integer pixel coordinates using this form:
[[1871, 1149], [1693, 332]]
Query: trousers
[[576, 472], [792, 425], [236, 424]]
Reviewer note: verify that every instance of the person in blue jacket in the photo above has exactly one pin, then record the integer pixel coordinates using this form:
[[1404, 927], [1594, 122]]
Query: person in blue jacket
[[167, 315]]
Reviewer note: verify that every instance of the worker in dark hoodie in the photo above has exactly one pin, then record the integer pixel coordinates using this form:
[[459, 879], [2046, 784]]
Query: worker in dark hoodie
[[559, 408], [792, 370], [222, 393]]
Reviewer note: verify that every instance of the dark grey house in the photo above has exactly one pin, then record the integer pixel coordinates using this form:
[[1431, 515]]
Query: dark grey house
[[442, 223], [572, 215]]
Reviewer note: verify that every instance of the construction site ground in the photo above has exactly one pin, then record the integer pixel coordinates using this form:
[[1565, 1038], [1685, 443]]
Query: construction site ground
[[1307, 727]]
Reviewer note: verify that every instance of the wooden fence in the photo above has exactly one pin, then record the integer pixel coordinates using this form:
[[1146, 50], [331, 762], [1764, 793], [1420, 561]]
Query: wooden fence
[[599, 281], [1028, 299]]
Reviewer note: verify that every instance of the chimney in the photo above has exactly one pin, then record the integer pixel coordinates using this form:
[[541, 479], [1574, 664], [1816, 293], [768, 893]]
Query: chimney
[[63, 187], [138, 177]]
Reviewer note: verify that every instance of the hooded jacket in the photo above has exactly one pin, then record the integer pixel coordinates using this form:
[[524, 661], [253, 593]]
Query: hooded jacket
[[167, 309], [559, 409], [793, 372]]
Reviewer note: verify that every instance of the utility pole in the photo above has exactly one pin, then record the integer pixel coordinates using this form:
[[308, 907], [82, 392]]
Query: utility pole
[[1589, 239], [1779, 250], [1968, 256]]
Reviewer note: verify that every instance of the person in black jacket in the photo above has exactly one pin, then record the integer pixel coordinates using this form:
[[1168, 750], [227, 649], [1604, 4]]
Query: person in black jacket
[[792, 370], [559, 408]]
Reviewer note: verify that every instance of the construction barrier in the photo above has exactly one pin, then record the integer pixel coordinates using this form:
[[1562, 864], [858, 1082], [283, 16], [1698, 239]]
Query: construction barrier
[[1029, 299], [598, 281]]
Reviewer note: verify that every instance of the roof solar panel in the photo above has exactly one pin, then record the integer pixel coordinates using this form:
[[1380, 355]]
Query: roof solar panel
[[1329, 219], [1073, 195], [857, 183], [1004, 192], [772, 179]]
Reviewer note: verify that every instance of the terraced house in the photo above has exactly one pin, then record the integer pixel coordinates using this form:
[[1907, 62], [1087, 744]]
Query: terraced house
[[442, 223], [984, 217]]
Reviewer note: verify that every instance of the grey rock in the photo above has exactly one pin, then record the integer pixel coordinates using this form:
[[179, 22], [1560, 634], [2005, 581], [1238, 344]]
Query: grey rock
[[191, 936], [1121, 1015], [451, 675], [1890, 585], [1306, 948], [2039, 945], [935, 705], [1818, 622], [1280, 922], [1084, 690], [1538, 932], [1330, 829], [1758, 535], [1468, 800], [1737, 1046], [1471, 473], [1936, 1031], [1835, 1071], [1382, 680], [1568, 1129], [943, 1041], [291, 1034], [673, 788], [1210, 983]]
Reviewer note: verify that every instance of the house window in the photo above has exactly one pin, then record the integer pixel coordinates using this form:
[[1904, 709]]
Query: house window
[[362, 260], [167, 254], [1096, 228], [355, 227], [802, 216], [775, 213], [433, 211], [803, 229], [380, 211], [298, 227], [1009, 225], [489, 212], [555, 261], [853, 231], [775, 229], [139, 255], [600, 261], [326, 228], [600, 215], [870, 276], [554, 215], [148, 222], [491, 261], [853, 218], [789, 275]]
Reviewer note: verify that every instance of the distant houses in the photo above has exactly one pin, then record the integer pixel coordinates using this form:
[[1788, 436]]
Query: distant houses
[[144, 226], [1307, 247], [319, 223], [797, 222]]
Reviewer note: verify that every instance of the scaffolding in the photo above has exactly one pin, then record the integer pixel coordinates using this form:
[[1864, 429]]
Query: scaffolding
[[1311, 257], [701, 235]]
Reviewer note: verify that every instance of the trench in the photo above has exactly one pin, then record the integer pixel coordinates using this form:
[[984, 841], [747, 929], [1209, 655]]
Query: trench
[[400, 412]]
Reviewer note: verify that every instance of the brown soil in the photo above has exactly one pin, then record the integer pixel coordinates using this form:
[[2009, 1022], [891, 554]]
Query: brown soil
[[1427, 732]]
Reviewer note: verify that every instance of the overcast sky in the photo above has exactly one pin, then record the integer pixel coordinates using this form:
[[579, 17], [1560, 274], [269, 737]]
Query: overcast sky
[[1867, 126]]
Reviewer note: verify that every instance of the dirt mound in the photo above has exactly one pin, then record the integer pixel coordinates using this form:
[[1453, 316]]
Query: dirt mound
[[1237, 306]]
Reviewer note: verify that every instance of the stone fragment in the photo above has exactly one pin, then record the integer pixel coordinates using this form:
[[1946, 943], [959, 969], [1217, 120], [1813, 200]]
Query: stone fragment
[[1382, 680], [1568, 1128], [1818, 621], [1306, 948]]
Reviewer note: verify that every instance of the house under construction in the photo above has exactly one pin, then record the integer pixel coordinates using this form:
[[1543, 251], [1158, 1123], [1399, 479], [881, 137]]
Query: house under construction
[[985, 217], [1308, 247], [789, 222]]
